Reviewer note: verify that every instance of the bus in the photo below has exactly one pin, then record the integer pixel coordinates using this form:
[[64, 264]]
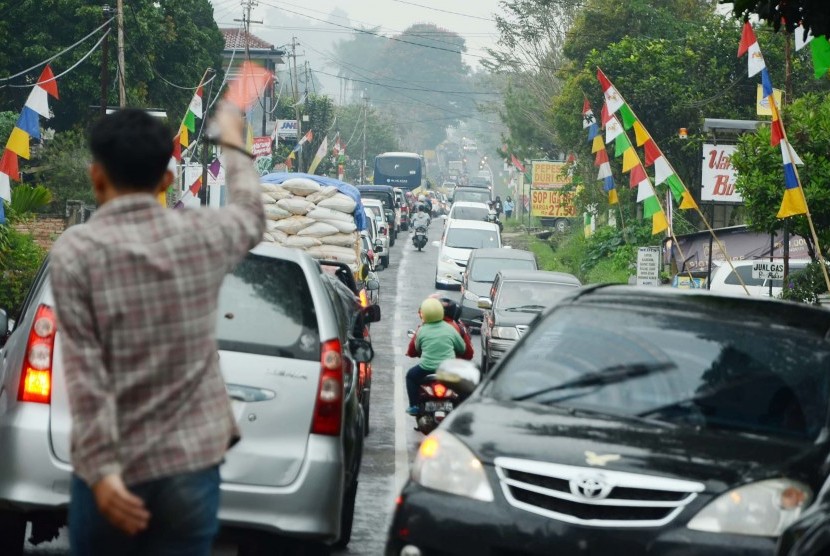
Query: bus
[[404, 170]]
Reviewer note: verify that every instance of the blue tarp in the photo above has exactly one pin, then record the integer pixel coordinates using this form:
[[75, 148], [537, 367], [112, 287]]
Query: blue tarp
[[343, 187]]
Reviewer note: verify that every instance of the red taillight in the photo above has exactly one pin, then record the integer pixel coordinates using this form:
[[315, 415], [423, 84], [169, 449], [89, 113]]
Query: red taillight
[[36, 379], [439, 389], [328, 411]]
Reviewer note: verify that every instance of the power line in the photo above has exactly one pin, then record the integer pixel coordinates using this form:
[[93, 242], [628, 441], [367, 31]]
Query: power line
[[410, 88], [471, 16]]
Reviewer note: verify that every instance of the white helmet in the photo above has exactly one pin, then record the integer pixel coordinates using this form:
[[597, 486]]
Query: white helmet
[[422, 197]]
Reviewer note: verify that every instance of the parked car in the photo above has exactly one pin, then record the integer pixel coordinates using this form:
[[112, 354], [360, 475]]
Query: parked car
[[288, 359], [473, 194], [516, 298], [391, 208], [632, 421], [404, 208], [460, 238], [478, 277], [725, 280], [374, 212]]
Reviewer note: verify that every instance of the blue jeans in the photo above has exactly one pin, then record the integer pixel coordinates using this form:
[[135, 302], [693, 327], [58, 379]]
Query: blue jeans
[[414, 377], [183, 518]]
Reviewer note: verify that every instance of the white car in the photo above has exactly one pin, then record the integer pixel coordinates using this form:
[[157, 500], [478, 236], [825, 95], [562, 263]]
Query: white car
[[461, 237], [725, 281], [374, 212], [468, 210]]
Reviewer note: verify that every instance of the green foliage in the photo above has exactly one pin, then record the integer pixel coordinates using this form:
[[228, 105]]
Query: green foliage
[[27, 199], [812, 13], [380, 137], [177, 39], [320, 110], [61, 167], [7, 122], [20, 258], [761, 176], [806, 285]]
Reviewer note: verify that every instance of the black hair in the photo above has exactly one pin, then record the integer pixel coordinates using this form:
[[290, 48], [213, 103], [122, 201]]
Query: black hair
[[133, 147]]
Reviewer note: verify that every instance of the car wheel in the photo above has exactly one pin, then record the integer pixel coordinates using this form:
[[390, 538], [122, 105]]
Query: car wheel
[[484, 365], [347, 517], [12, 533], [385, 262], [439, 285], [308, 548], [562, 225], [367, 401]]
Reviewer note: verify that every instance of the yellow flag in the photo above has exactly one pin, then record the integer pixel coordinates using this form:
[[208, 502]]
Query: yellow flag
[[18, 143], [598, 144], [612, 197], [659, 223], [184, 136], [688, 201], [162, 198], [640, 133], [249, 140], [793, 203], [630, 159]]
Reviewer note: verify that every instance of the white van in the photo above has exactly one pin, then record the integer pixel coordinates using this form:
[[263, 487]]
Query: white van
[[725, 280], [460, 238]]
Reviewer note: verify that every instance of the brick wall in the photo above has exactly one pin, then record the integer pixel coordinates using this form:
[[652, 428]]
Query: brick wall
[[44, 229]]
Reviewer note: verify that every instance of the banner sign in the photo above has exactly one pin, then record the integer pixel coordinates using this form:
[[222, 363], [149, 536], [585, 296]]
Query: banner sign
[[287, 129], [648, 266], [762, 107], [549, 175], [552, 203], [262, 154], [717, 182]]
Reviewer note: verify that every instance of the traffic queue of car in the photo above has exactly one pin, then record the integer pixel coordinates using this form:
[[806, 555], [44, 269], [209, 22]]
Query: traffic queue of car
[[620, 420]]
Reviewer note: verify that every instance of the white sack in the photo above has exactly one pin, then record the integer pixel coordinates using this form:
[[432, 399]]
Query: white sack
[[333, 253], [296, 205], [294, 224], [339, 202], [273, 212], [342, 227], [324, 214], [324, 193], [301, 242], [318, 230], [267, 199], [301, 186], [341, 240]]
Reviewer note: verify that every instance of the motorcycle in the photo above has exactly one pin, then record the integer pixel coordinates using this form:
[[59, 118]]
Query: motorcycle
[[419, 238], [494, 219]]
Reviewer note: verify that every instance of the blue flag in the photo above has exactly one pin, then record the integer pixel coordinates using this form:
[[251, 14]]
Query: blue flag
[[29, 121], [2, 211]]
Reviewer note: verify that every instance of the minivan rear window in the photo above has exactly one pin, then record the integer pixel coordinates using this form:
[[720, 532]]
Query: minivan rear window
[[384, 198], [265, 308]]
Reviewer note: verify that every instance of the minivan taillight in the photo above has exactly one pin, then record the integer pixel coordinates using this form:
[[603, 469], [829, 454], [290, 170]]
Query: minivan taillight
[[36, 378], [328, 411]]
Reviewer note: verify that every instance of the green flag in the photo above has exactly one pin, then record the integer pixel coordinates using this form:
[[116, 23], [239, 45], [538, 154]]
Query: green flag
[[821, 55]]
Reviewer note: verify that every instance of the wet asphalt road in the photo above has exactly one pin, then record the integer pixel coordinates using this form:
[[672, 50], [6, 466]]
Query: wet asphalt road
[[392, 442]]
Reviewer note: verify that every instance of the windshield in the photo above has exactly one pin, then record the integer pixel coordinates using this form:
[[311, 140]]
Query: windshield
[[469, 213], [398, 167], [472, 196], [485, 270], [530, 296], [384, 198], [703, 372], [466, 238], [265, 307]]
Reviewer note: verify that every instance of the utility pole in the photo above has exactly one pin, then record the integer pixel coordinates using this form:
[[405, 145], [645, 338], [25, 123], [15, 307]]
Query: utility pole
[[296, 102], [122, 72], [108, 13], [365, 116]]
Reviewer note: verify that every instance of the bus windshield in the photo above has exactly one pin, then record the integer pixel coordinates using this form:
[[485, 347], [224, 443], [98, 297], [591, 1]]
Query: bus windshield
[[402, 170]]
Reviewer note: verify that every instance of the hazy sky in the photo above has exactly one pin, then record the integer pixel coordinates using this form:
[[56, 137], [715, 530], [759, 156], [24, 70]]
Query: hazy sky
[[318, 24]]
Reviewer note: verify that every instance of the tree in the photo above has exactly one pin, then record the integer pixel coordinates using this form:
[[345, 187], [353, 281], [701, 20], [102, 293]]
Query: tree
[[812, 14], [61, 166], [760, 173], [320, 111], [380, 136], [174, 40]]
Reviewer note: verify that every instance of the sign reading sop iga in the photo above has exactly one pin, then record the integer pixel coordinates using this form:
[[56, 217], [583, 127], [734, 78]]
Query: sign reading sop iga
[[551, 202]]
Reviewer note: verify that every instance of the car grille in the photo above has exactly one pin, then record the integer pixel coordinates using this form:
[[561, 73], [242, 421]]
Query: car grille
[[522, 328], [593, 496]]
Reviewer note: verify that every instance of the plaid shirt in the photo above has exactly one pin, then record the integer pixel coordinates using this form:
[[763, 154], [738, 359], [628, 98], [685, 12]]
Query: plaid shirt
[[136, 298]]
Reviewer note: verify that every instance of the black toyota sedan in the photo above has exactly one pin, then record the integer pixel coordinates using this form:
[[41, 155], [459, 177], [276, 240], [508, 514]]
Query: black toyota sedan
[[632, 421]]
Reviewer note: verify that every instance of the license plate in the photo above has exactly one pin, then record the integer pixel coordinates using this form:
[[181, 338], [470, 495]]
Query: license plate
[[437, 406]]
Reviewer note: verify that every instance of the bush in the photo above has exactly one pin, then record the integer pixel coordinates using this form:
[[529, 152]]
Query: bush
[[20, 259], [805, 285]]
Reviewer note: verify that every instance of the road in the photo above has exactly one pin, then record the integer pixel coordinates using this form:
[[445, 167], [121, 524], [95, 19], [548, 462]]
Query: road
[[392, 442]]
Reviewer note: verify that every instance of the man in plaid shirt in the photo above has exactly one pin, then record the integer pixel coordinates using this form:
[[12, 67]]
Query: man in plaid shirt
[[136, 298]]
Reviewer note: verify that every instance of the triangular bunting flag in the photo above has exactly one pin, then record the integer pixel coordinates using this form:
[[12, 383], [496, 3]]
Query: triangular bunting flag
[[659, 223], [48, 83], [613, 198], [776, 130], [652, 152], [39, 101], [628, 118], [5, 188], [601, 158], [184, 136], [688, 201], [598, 144], [588, 117], [621, 144], [177, 148], [749, 45], [766, 82], [662, 170], [190, 121], [604, 171], [29, 122], [638, 174], [630, 160], [802, 37], [604, 115], [197, 185], [613, 129], [640, 133], [820, 49], [18, 143], [676, 186], [9, 165], [196, 104], [593, 131], [612, 96], [2, 208]]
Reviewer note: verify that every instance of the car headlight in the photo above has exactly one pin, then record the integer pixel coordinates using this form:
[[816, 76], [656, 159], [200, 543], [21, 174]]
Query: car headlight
[[470, 296], [505, 332], [763, 509], [444, 463]]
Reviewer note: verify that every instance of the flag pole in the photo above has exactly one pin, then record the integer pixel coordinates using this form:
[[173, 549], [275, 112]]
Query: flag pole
[[697, 208]]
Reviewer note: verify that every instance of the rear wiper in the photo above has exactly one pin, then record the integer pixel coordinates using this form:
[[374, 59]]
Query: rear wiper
[[521, 308], [608, 375]]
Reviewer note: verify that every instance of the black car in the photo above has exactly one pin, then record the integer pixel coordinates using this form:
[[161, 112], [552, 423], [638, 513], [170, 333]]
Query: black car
[[472, 194], [386, 195], [478, 277], [632, 421], [515, 299]]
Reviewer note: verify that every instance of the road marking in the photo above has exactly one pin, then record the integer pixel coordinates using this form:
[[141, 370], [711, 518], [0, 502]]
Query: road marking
[[399, 406]]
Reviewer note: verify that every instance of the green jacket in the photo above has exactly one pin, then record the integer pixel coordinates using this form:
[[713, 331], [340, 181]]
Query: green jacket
[[437, 342]]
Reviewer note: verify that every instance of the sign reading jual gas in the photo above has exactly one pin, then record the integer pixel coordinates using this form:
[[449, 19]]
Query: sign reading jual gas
[[718, 175]]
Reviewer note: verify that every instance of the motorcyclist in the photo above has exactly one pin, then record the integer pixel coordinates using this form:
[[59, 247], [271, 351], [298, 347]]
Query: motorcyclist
[[452, 314], [434, 342], [420, 219]]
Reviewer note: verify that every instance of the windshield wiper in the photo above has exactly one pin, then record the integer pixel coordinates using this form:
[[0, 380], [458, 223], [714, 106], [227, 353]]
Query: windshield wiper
[[608, 375], [522, 308]]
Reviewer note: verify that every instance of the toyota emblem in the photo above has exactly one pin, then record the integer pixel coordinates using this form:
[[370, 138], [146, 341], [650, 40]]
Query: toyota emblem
[[590, 488]]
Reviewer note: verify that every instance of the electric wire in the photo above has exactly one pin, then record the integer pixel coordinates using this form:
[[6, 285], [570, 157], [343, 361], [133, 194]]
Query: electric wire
[[72, 67], [471, 16]]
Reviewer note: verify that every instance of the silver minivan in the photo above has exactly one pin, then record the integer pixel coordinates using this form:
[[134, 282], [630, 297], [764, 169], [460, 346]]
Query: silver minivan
[[289, 358]]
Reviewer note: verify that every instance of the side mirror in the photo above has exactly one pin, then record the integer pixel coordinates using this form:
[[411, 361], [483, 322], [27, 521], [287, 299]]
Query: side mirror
[[372, 285], [410, 333], [485, 303], [372, 313], [462, 376], [362, 351]]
